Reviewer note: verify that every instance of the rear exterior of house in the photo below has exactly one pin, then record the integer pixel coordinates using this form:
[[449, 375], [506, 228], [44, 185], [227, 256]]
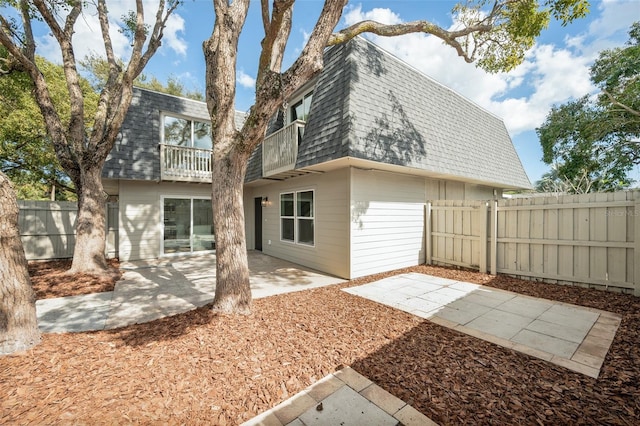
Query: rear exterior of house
[[341, 180], [378, 140]]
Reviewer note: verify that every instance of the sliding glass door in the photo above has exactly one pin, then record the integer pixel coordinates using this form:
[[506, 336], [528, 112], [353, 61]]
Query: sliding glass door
[[187, 225]]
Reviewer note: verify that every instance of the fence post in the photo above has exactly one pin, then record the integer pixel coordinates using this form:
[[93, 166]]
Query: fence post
[[483, 237], [636, 248], [427, 229], [494, 237]]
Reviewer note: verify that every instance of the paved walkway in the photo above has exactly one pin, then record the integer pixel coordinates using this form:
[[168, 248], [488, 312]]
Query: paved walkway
[[155, 289], [571, 336], [343, 398]]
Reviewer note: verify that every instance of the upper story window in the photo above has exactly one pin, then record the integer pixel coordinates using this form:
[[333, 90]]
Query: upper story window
[[188, 133], [300, 109]]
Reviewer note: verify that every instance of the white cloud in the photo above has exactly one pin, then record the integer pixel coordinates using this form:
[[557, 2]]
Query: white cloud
[[87, 37], [551, 74], [175, 25], [245, 80], [355, 14]]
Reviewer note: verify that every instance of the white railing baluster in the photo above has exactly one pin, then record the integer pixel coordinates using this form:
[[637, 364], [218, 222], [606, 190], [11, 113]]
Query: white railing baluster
[[280, 149], [185, 164]]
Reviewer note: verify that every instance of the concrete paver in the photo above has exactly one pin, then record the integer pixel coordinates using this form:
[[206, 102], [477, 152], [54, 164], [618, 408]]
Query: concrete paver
[[525, 306], [560, 331], [347, 407], [542, 342], [571, 336], [355, 401], [500, 323]]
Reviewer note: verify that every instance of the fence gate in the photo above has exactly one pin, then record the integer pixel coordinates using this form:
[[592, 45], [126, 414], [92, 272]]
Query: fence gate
[[592, 239]]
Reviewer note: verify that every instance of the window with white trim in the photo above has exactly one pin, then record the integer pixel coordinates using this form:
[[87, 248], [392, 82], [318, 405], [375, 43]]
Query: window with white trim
[[300, 109], [297, 217], [186, 132]]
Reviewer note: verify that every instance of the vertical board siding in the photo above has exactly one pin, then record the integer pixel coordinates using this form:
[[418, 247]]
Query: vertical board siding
[[586, 239], [455, 232], [47, 229], [387, 222]]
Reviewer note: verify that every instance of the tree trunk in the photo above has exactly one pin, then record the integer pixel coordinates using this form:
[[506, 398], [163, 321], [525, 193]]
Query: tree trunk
[[89, 252], [233, 292], [18, 320]]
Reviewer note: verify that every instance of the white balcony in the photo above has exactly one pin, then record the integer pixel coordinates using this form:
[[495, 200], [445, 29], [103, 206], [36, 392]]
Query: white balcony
[[179, 163], [280, 149]]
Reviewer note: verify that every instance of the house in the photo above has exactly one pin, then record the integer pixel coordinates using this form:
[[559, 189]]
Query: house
[[341, 180]]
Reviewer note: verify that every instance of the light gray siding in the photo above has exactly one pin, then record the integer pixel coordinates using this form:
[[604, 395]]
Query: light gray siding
[[140, 214], [330, 253], [387, 221]]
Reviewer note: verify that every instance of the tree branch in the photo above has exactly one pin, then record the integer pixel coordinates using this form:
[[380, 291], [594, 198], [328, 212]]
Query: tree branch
[[388, 30], [275, 39], [76, 130], [620, 104], [264, 8]]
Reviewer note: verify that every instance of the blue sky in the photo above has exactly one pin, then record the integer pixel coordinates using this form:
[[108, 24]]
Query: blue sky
[[555, 71]]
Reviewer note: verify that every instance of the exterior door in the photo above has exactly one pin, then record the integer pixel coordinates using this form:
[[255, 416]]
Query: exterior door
[[188, 225], [257, 202]]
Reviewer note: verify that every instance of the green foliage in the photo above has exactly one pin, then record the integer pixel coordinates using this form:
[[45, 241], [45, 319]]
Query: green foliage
[[97, 71], [594, 142], [26, 153], [172, 87], [129, 26], [516, 25]]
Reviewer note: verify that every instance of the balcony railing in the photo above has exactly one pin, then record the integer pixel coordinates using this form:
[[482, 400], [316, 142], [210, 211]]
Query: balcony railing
[[179, 163], [280, 149]]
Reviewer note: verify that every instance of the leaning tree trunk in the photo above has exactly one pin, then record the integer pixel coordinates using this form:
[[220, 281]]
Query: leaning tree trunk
[[233, 293], [18, 320], [89, 252]]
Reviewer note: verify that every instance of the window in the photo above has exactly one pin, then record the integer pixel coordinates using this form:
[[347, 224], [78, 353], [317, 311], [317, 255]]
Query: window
[[188, 225], [297, 217], [187, 133], [300, 109]]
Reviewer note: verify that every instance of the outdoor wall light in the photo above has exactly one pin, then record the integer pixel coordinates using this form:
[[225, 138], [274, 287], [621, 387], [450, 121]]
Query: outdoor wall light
[[265, 201]]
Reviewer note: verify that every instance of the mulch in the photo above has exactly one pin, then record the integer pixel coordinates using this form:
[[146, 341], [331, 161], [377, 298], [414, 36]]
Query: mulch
[[50, 279], [205, 368]]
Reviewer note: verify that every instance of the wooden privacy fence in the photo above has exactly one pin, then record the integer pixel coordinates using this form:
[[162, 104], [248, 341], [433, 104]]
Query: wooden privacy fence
[[47, 229], [590, 239]]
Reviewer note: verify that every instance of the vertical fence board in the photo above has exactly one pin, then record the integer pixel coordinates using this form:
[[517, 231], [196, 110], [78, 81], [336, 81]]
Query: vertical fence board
[[589, 240], [47, 229]]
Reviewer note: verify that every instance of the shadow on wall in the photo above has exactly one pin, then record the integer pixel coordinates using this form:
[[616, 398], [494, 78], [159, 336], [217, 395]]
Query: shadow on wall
[[136, 228]]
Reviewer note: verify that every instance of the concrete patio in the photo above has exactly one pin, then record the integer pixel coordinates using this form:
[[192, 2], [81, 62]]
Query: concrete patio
[[155, 289], [571, 336]]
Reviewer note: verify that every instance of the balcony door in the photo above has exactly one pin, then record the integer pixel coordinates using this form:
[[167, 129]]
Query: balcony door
[[187, 225]]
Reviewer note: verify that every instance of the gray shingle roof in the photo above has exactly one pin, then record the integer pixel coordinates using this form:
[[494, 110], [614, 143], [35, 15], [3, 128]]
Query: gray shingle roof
[[369, 104], [136, 153]]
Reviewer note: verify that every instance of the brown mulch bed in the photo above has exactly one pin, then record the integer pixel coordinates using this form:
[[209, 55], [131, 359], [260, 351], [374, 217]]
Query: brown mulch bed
[[205, 368], [50, 279]]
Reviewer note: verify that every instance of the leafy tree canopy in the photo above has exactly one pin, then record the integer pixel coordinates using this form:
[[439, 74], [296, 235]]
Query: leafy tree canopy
[[593, 142], [97, 68], [27, 156]]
